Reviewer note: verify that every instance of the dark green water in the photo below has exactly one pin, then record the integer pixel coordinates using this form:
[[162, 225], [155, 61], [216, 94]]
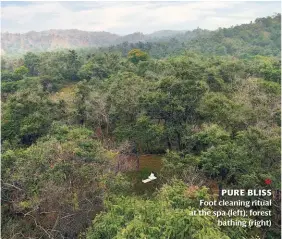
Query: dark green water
[[148, 163]]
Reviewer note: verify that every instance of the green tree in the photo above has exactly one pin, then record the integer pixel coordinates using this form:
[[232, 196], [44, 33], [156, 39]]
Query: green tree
[[21, 71], [100, 66], [136, 55], [167, 215], [27, 116], [68, 171], [32, 61]]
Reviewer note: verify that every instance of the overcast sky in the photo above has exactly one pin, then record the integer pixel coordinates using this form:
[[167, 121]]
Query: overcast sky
[[128, 17]]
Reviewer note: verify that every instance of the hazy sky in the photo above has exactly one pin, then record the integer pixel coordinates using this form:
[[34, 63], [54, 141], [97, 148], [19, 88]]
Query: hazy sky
[[129, 17]]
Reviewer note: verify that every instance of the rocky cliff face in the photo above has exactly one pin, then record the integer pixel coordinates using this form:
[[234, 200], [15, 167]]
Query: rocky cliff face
[[55, 39]]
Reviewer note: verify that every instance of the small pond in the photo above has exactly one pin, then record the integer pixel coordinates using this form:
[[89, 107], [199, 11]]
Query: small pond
[[148, 163]]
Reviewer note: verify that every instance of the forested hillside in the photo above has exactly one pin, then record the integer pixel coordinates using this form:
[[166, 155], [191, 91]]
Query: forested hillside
[[261, 37], [78, 126]]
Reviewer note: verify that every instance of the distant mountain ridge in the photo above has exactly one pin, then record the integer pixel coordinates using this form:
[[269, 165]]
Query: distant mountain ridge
[[53, 39], [73, 38], [259, 37]]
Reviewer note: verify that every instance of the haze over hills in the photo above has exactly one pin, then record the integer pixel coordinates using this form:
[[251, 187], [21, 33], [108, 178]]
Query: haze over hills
[[73, 38], [260, 37], [52, 39]]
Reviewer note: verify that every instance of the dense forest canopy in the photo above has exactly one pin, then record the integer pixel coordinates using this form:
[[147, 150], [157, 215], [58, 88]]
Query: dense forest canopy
[[73, 119], [261, 37]]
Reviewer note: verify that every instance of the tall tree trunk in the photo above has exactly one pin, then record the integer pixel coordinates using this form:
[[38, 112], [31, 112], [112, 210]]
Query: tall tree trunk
[[179, 140], [138, 162], [168, 143]]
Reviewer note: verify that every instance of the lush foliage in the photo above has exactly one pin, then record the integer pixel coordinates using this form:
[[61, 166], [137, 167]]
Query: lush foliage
[[74, 122], [167, 215], [261, 37]]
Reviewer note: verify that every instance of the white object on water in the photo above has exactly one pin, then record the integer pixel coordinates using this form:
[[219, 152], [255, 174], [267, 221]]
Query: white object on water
[[150, 178]]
